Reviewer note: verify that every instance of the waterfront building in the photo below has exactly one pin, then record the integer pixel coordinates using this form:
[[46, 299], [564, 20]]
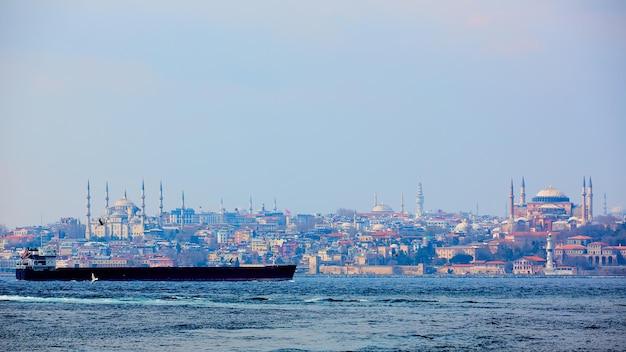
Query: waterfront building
[[473, 250], [529, 265], [579, 250]]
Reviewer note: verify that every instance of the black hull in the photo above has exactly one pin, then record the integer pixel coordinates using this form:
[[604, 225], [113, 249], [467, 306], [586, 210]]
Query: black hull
[[242, 273]]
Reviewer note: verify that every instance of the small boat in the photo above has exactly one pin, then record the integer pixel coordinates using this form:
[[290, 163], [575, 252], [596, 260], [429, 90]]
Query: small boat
[[39, 264]]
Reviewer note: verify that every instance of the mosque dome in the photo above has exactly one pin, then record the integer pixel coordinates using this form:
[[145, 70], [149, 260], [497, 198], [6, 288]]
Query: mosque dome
[[550, 195], [617, 210], [124, 202], [346, 225], [462, 227], [378, 227], [382, 207]]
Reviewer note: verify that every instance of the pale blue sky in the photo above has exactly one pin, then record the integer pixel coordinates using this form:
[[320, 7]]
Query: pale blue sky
[[319, 104]]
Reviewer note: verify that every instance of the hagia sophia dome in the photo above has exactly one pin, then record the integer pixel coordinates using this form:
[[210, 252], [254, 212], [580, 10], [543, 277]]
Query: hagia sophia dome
[[550, 195]]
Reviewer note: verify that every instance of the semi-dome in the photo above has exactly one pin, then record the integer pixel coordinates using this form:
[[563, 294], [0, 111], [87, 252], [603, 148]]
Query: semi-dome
[[550, 195], [119, 214]]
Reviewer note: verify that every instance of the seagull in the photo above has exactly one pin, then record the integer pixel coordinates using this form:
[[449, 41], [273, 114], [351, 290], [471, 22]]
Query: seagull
[[93, 278], [101, 221]]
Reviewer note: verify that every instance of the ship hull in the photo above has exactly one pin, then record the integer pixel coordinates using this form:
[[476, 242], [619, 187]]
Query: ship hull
[[242, 273]]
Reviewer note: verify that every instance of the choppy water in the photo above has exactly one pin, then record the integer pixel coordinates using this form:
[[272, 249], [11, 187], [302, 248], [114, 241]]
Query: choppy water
[[316, 313]]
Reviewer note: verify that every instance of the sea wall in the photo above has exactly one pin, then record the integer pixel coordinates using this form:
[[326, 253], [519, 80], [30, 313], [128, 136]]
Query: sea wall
[[371, 270]]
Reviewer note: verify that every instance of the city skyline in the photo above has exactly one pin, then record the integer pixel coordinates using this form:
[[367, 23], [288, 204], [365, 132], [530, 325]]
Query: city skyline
[[318, 106], [99, 203]]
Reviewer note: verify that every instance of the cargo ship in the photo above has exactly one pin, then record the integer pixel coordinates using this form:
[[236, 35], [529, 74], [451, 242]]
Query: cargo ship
[[39, 264]]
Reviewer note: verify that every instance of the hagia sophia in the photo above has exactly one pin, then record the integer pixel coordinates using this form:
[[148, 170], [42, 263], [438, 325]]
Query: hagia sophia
[[549, 210]]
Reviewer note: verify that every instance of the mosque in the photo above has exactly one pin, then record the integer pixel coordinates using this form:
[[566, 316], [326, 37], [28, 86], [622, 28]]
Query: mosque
[[384, 209], [549, 210], [123, 220]]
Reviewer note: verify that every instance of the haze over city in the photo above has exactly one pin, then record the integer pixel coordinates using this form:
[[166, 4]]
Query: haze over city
[[319, 105]]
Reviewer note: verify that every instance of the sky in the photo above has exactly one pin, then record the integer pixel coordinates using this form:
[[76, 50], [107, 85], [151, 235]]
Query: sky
[[317, 104]]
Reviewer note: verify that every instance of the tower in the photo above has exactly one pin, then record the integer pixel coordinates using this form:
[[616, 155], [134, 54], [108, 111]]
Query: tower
[[590, 201], [420, 201], [222, 210], [375, 199], [402, 203], [88, 229], [160, 201], [522, 193], [275, 205], [250, 206], [511, 205], [583, 215], [549, 253]]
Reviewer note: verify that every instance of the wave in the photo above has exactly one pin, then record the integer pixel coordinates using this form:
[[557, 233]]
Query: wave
[[333, 300], [260, 299], [169, 301], [408, 300]]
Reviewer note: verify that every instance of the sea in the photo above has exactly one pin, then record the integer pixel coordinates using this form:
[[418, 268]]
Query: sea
[[317, 313]]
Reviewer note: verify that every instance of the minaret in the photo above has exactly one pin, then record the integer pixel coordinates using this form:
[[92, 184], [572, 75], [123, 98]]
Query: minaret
[[583, 206], [222, 210], [590, 201], [402, 203], [143, 206], [420, 201], [375, 199], [511, 205], [549, 253], [250, 206], [605, 213], [106, 195], [88, 229], [275, 205], [522, 193]]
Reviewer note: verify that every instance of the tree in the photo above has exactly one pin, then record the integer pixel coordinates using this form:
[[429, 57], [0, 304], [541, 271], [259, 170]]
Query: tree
[[345, 213], [461, 259]]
